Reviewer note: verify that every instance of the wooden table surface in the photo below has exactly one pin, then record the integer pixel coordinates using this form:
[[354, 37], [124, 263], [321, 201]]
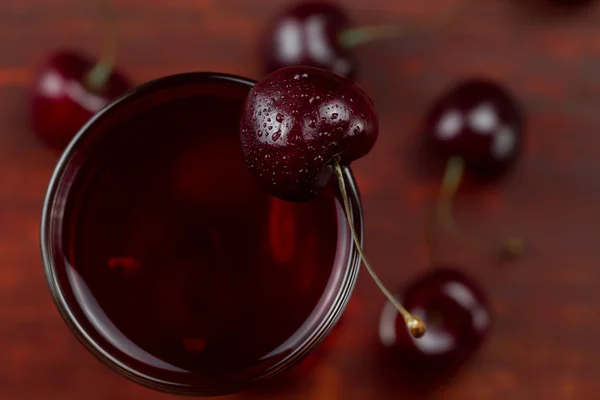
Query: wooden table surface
[[545, 342]]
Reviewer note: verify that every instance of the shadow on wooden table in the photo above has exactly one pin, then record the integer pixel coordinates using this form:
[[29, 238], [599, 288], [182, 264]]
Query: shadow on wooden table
[[542, 9]]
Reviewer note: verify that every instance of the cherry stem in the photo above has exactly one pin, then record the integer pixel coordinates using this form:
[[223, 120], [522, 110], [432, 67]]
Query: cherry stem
[[452, 178], [414, 324], [512, 245], [100, 73], [357, 36], [443, 211]]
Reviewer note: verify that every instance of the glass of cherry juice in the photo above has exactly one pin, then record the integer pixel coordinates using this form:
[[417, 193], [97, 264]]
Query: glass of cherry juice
[[170, 265]]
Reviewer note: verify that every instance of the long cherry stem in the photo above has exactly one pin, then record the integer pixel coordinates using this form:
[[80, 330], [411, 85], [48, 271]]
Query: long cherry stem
[[414, 324], [512, 246], [358, 36], [99, 75], [442, 212]]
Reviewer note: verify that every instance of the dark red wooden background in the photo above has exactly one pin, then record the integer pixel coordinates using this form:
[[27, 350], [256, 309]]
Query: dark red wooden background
[[546, 340]]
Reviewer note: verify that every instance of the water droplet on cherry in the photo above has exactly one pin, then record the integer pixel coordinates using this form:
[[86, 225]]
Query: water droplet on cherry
[[309, 150]]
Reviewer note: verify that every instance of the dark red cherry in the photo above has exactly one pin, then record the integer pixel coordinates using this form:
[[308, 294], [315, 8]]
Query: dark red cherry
[[296, 122], [308, 34], [455, 311], [63, 99], [480, 122]]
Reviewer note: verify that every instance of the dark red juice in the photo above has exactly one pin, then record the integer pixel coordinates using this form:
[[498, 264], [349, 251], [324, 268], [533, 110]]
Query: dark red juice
[[177, 267]]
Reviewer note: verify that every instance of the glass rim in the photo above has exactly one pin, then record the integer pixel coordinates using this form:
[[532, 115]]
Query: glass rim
[[327, 321]]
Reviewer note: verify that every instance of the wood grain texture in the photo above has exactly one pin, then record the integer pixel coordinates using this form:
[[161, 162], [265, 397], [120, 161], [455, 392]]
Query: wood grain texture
[[545, 342]]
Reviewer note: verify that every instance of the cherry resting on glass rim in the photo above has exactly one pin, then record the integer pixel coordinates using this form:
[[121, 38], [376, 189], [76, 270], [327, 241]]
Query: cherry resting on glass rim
[[480, 122], [61, 100], [456, 313], [308, 34], [296, 122], [182, 274]]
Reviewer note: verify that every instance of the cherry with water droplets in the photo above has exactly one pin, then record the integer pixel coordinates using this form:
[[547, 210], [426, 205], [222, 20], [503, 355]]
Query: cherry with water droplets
[[455, 310], [296, 122], [480, 122], [64, 97]]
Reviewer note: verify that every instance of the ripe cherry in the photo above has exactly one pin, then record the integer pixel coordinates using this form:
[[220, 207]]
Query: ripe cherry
[[320, 34], [479, 121], [315, 34], [456, 312], [299, 126], [477, 127], [296, 122], [66, 95], [71, 87]]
